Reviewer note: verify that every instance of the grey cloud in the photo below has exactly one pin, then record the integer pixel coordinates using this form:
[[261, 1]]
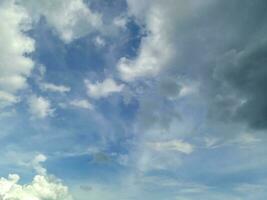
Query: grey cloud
[[237, 76], [223, 46], [156, 113], [244, 74]]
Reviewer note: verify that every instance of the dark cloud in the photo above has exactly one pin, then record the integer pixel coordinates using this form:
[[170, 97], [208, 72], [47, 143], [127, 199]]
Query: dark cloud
[[221, 45], [236, 81], [244, 75], [224, 47]]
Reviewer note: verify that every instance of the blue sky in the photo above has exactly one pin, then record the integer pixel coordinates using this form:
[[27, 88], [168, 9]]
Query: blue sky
[[132, 100]]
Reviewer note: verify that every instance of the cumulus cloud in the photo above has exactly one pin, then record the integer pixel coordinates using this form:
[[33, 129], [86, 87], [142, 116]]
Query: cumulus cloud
[[71, 20], [40, 107], [42, 187], [15, 45], [103, 89], [50, 87], [154, 52]]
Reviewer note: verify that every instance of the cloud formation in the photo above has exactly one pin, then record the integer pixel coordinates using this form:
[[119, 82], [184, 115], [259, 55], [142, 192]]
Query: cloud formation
[[154, 52], [42, 187], [243, 74], [70, 20], [103, 89], [15, 45], [182, 81], [50, 87], [81, 103], [40, 107], [172, 145]]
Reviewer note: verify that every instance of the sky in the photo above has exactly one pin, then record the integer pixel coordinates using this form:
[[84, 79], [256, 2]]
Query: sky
[[133, 100]]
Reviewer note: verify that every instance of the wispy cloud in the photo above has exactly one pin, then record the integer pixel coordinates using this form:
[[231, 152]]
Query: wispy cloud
[[172, 145]]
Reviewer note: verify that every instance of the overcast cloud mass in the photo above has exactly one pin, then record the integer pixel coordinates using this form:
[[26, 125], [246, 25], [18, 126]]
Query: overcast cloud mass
[[133, 99]]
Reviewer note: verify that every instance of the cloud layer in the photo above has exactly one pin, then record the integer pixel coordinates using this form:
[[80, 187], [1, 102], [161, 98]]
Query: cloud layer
[[133, 99]]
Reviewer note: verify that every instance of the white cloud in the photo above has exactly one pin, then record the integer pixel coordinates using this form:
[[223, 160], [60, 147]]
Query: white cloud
[[39, 107], [188, 89], [7, 99], [155, 50], [120, 22], [103, 89], [172, 145], [70, 19], [13, 83], [42, 187], [15, 66], [83, 103], [54, 88], [36, 164], [99, 41], [157, 153]]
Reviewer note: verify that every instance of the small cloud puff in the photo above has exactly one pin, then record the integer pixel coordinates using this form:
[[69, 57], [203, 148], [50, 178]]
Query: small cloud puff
[[50, 87], [40, 107], [81, 103], [103, 89]]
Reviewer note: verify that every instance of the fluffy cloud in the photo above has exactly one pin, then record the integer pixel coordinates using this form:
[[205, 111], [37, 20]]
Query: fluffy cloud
[[15, 45], [154, 52], [39, 107], [71, 20], [54, 88], [42, 187], [103, 89]]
